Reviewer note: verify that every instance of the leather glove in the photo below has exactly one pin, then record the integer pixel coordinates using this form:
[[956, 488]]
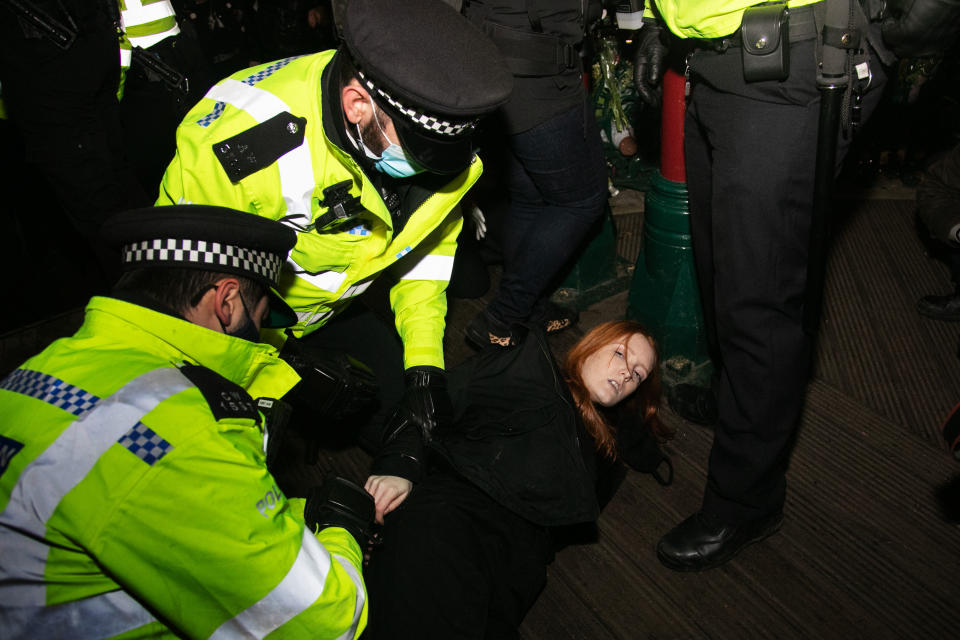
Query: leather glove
[[425, 403], [649, 62], [333, 385], [341, 503], [916, 28]]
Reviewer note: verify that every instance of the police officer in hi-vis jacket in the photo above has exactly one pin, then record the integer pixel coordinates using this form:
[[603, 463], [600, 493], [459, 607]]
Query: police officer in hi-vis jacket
[[365, 151], [135, 496]]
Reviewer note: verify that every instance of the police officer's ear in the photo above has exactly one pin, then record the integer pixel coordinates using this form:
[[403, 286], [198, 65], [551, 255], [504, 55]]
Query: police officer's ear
[[356, 103], [221, 308]]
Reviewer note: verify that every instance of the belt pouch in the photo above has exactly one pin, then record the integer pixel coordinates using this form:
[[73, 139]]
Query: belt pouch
[[765, 42]]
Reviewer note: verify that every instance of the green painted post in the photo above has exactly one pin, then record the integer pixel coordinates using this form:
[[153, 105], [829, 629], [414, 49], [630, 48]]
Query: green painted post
[[663, 294]]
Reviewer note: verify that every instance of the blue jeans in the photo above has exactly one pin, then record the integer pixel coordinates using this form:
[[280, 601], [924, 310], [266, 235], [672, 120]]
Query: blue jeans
[[558, 186]]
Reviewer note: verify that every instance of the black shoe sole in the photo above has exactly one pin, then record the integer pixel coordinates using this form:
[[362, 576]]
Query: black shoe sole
[[719, 559]]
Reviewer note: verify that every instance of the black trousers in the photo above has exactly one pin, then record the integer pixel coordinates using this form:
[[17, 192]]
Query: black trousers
[[65, 105], [454, 564], [750, 154]]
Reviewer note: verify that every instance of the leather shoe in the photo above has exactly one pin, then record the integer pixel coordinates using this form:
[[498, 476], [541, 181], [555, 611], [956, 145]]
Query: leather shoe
[[940, 307], [703, 542], [693, 403]]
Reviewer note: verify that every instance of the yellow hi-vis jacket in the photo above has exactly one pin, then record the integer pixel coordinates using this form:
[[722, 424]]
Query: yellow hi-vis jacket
[[324, 270], [705, 18], [135, 499]]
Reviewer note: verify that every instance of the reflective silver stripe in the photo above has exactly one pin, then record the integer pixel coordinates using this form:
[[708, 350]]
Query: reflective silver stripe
[[361, 596], [298, 590], [430, 267], [137, 13], [102, 616], [65, 463], [356, 289], [296, 166], [148, 41], [125, 56], [326, 280]]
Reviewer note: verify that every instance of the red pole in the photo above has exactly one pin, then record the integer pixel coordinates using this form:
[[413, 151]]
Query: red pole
[[671, 127]]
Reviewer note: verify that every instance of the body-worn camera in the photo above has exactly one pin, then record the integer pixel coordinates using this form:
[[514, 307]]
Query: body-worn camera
[[342, 207]]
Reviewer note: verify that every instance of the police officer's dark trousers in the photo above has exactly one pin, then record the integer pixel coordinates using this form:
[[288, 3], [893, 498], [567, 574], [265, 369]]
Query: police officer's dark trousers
[[750, 154]]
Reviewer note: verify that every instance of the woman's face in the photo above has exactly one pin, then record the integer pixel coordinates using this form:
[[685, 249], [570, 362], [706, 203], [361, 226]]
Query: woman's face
[[615, 370]]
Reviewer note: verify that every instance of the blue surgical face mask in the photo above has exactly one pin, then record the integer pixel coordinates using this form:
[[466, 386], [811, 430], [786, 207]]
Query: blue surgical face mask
[[393, 161]]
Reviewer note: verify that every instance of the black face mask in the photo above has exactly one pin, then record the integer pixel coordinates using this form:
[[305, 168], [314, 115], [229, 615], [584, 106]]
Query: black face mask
[[246, 331]]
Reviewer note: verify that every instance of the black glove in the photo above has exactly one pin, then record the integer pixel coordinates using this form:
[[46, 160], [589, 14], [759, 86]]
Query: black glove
[[333, 385], [341, 503], [915, 28], [649, 62], [425, 403]]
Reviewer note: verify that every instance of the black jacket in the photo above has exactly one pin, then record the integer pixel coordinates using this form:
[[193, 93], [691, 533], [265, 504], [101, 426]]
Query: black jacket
[[518, 436]]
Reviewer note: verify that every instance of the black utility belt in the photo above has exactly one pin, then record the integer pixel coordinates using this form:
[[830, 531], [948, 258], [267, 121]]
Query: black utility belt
[[765, 33]]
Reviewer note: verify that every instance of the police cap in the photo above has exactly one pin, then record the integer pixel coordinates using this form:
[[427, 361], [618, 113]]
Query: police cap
[[209, 238], [431, 70]]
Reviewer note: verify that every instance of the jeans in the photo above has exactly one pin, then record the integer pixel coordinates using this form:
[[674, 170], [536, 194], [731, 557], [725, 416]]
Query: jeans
[[557, 182]]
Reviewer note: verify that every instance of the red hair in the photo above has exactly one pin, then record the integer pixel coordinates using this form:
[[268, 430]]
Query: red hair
[[645, 400]]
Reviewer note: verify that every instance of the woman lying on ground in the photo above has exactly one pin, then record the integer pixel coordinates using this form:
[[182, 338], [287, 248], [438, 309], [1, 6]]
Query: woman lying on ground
[[465, 555]]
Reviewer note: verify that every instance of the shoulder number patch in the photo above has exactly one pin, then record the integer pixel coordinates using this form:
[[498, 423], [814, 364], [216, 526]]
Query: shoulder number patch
[[226, 399], [259, 146]]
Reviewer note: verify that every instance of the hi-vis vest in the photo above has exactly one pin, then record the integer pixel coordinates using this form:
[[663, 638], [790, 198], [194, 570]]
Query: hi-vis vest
[[144, 24], [325, 271], [135, 499]]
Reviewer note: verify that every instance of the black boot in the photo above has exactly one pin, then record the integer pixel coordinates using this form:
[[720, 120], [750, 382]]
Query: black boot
[[703, 542], [940, 307]]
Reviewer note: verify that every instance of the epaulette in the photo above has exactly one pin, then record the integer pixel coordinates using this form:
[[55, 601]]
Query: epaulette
[[259, 146], [226, 399]]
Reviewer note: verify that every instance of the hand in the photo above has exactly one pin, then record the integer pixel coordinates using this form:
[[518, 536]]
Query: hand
[[915, 28], [649, 62], [341, 503], [425, 403], [388, 493], [479, 221]]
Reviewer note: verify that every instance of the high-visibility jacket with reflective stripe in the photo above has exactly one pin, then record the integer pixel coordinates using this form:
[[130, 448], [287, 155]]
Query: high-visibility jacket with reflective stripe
[[324, 270], [144, 24], [135, 503], [706, 18]]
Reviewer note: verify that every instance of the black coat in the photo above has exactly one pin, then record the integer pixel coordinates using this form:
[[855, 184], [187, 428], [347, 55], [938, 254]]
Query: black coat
[[518, 436]]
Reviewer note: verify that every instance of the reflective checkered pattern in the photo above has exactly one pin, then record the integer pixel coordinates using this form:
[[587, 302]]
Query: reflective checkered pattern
[[425, 121], [404, 252], [208, 254], [250, 80], [360, 230], [144, 443], [50, 390]]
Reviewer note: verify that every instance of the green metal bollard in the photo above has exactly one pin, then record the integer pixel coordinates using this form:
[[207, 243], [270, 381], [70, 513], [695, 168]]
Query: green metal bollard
[[663, 294]]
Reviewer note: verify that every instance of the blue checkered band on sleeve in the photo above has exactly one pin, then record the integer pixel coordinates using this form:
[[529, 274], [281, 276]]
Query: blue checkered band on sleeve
[[170, 251], [50, 390], [425, 121], [250, 80], [144, 443]]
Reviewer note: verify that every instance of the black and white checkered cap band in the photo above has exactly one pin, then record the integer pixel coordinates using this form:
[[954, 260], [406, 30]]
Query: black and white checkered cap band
[[202, 253], [425, 121]]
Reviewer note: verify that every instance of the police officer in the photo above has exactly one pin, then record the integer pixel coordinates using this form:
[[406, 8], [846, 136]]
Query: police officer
[[750, 143], [134, 494], [366, 152]]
